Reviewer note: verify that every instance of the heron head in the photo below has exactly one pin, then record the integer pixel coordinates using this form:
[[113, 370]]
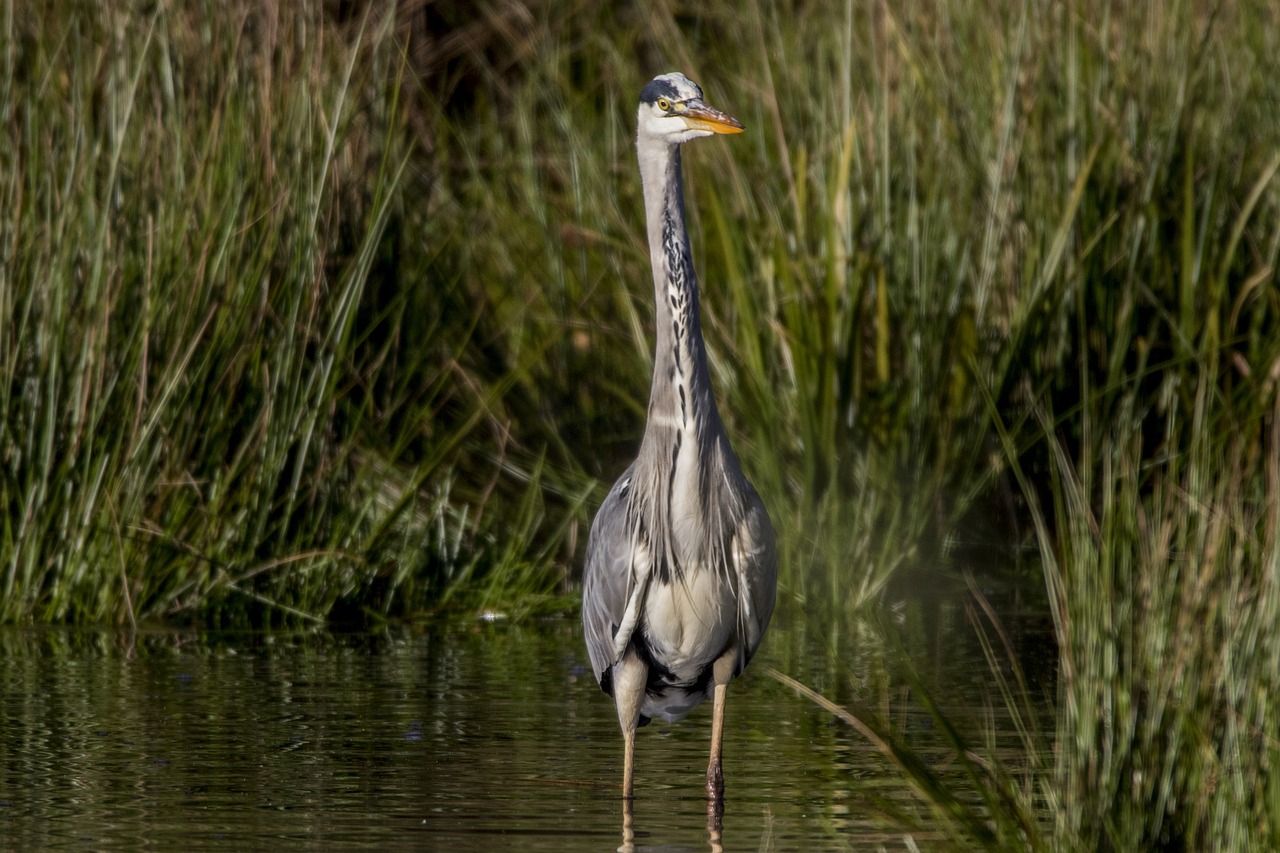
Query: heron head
[[672, 110]]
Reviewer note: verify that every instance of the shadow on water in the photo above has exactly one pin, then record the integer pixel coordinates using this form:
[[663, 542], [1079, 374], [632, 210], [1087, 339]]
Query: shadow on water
[[478, 736]]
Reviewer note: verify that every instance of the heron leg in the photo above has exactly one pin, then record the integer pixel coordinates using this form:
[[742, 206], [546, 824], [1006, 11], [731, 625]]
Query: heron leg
[[629, 764], [715, 773], [629, 677], [715, 825], [628, 827], [722, 672]]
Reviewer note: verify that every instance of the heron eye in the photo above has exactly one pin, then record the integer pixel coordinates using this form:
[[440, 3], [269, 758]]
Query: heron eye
[[664, 104]]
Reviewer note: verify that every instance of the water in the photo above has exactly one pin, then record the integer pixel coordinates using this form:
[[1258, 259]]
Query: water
[[478, 737]]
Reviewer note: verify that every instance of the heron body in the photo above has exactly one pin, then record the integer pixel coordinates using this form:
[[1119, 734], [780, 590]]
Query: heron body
[[681, 567]]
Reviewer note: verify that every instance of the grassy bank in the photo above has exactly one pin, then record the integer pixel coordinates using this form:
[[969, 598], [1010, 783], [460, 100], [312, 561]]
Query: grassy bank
[[310, 315], [224, 386]]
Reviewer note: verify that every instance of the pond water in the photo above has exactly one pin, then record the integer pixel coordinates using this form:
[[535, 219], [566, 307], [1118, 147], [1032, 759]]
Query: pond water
[[477, 736]]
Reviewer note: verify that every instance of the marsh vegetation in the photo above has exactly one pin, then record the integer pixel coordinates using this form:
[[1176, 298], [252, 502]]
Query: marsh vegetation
[[325, 314]]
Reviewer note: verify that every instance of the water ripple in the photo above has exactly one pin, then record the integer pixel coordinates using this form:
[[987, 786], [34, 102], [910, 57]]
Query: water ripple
[[474, 740]]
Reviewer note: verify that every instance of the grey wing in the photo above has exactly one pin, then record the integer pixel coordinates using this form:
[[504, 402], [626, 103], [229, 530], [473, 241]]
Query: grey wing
[[608, 581], [755, 558]]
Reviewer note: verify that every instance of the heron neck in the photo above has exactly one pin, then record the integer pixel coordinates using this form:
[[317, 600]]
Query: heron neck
[[681, 392]]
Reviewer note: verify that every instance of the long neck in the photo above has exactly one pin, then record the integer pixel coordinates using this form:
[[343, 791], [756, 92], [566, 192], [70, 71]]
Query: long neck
[[689, 486], [681, 393]]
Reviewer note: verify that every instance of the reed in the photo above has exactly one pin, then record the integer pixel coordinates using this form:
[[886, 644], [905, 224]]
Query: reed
[[324, 318], [221, 387]]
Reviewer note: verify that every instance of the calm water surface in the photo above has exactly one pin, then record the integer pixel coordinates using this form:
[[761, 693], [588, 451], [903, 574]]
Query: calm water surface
[[482, 736]]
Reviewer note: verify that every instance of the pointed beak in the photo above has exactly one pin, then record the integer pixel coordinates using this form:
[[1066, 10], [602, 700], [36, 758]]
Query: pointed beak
[[700, 116]]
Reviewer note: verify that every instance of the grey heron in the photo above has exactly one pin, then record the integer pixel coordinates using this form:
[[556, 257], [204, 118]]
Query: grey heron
[[681, 568]]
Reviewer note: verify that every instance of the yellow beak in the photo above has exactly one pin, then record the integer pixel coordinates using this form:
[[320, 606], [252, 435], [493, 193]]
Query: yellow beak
[[700, 116]]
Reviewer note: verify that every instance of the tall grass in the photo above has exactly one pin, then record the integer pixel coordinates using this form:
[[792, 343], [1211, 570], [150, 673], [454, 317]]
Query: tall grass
[[1166, 597], [1120, 281], [931, 206], [310, 314], [1162, 732], [218, 383], [423, 281]]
